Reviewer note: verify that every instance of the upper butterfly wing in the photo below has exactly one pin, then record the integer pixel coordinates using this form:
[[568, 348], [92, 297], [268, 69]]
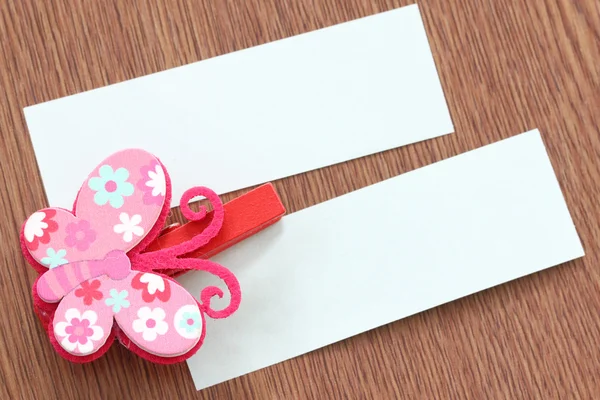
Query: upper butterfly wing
[[119, 204]]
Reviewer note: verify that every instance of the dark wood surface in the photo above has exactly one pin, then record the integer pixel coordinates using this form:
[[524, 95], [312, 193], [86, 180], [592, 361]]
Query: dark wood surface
[[506, 67]]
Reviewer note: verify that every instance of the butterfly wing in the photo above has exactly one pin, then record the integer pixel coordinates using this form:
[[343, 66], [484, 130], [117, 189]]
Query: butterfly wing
[[119, 205], [125, 197], [82, 323], [161, 318]]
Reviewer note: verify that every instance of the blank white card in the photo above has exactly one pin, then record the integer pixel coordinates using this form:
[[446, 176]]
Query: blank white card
[[255, 115], [386, 252]]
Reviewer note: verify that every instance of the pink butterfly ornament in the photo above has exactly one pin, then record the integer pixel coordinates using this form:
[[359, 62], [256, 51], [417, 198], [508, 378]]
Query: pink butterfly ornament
[[96, 281]]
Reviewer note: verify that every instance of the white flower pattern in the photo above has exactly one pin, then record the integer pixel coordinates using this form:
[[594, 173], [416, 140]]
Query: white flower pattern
[[157, 181], [129, 226], [35, 225], [150, 323], [154, 282], [78, 331], [188, 321]]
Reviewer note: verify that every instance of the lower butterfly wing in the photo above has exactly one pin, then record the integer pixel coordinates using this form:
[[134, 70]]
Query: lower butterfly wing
[[82, 323], [160, 318]]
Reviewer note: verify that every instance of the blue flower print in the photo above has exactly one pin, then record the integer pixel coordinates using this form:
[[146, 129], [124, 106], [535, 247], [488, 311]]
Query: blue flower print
[[190, 321], [111, 186], [54, 258], [117, 300]]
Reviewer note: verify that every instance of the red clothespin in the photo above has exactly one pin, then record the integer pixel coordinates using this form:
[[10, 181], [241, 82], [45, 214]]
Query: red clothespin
[[244, 216]]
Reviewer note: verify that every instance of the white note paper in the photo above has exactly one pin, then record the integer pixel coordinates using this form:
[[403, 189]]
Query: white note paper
[[388, 251], [255, 115]]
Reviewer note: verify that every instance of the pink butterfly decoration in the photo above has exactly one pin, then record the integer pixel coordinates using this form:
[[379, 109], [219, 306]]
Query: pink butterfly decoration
[[97, 284]]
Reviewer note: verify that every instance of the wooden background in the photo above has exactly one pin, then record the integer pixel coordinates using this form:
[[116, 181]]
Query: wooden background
[[506, 67]]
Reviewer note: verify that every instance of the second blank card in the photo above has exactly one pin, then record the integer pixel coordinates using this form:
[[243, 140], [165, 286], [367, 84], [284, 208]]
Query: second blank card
[[388, 251]]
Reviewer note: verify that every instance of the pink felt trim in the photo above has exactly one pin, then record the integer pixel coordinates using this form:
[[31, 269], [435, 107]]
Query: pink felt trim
[[208, 292], [208, 233]]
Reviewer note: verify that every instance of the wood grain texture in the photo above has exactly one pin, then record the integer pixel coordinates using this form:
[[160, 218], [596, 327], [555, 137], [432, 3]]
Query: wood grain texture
[[506, 67]]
